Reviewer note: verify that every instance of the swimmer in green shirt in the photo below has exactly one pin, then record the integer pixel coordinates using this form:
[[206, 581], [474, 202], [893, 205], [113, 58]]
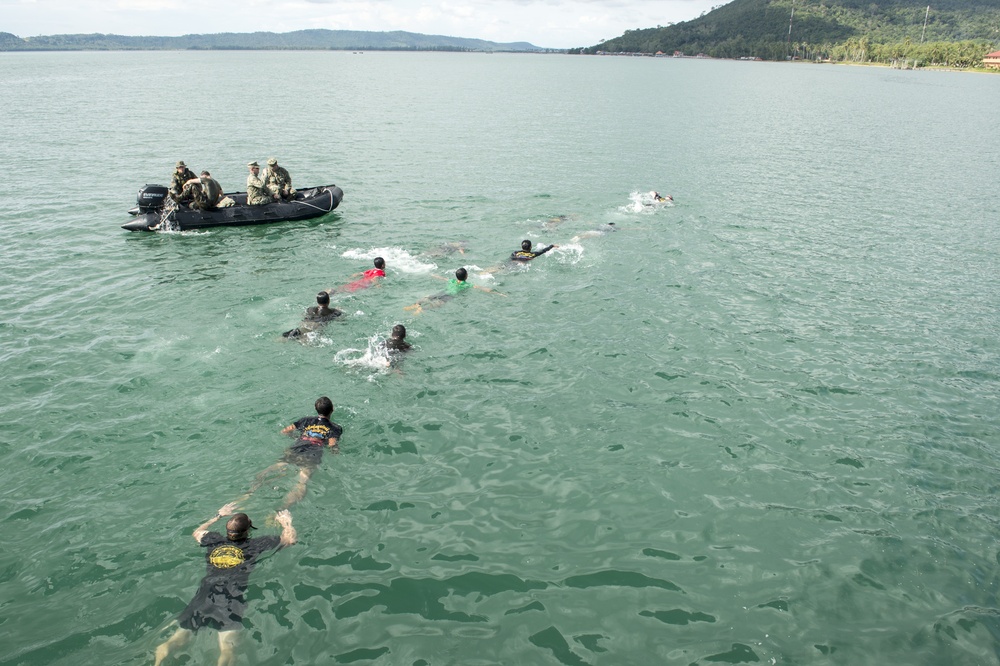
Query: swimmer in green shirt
[[455, 286]]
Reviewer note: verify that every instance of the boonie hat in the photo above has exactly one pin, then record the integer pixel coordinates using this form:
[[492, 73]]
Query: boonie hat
[[271, 161], [180, 164]]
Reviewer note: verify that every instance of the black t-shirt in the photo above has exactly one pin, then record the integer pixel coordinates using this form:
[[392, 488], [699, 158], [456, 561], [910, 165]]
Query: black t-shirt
[[317, 430], [397, 344], [219, 601], [321, 313], [234, 560]]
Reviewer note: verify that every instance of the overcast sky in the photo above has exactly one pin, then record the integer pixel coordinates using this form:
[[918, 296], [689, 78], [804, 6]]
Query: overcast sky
[[546, 23]]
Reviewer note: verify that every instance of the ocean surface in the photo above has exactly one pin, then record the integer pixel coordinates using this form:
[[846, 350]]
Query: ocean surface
[[758, 424]]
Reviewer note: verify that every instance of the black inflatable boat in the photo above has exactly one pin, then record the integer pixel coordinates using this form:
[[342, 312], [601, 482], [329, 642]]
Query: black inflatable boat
[[154, 211]]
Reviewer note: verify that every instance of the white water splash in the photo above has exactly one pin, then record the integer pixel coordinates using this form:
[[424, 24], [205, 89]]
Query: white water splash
[[396, 259], [645, 202], [373, 357]]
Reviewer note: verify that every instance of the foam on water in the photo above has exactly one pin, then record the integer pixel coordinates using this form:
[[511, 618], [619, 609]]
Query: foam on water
[[374, 356], [396, 258], [645, 203]]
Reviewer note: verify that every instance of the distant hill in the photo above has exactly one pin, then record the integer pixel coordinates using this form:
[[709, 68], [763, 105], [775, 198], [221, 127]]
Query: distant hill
[[838, 29], [302, 39]]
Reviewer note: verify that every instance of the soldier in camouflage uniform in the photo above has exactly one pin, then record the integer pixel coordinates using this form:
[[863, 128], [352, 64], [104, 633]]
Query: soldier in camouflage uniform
[[181, 176], [278, 180], [257, 192], [206, 191]]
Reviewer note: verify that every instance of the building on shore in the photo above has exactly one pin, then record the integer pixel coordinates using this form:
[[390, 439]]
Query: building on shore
[[992, 59]]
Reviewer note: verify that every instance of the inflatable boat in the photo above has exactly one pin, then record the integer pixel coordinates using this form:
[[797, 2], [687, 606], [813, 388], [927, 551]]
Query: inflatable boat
[[154, 211]]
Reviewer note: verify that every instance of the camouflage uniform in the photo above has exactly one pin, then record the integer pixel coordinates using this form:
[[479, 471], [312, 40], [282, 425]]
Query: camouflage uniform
[[257, 193], [177, 182], [278, 180]]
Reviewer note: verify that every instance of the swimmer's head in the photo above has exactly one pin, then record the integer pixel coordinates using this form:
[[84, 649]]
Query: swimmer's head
[[238, 527], [461, 275], [526, 245], [399, 331], [379, 262], [323, 298], [324, 406]]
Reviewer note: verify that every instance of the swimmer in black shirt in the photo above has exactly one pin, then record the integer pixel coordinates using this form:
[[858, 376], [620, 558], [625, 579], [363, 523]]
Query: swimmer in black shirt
[[397, 342], [316, 316], [314, 435], [219, 602], [526, 254]]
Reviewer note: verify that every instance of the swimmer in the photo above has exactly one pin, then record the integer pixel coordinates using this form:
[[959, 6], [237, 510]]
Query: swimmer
[[397, 342], [220, 600], [526, 254], [446, 249], [660, 198], [314, 435], [455, 286], [368, 278], [599, 231], [316, 317]]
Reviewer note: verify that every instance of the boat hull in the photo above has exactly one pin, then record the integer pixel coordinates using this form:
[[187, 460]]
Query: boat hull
[[308, 203]]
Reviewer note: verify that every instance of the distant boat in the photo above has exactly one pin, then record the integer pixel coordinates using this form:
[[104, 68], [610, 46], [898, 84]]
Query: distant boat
[[155, 212]]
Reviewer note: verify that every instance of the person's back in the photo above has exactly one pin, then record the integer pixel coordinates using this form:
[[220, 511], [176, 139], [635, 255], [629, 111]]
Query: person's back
[[211, 189], [315, 316], [526, 253]]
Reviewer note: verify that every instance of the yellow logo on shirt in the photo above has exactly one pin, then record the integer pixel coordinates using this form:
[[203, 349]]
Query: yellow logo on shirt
[[226, 557]]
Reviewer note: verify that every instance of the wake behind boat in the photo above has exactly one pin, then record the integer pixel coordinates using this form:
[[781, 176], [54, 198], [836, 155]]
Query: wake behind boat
[[154, 211]]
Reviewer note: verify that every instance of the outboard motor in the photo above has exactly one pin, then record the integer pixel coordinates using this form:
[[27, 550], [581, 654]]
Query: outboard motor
[[150, 198]]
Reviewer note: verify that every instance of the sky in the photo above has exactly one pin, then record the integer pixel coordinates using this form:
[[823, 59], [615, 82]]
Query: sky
[[544, 23]]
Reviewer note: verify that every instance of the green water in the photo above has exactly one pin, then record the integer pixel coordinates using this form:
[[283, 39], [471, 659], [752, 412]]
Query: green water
[[757, 425]]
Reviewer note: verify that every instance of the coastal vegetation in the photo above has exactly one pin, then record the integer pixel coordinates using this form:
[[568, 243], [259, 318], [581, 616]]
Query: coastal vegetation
[[951, 33]]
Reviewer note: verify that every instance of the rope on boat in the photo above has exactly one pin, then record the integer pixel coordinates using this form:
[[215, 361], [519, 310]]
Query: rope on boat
[[325, 210]]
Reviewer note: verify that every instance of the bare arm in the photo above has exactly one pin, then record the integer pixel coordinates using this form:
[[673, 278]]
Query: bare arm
[[288, 535], [288, 431], [332, 442], [492, 291], [202, 530]]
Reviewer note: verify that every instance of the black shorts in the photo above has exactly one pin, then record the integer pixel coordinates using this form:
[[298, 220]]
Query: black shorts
[[214, 607], [304, 455]]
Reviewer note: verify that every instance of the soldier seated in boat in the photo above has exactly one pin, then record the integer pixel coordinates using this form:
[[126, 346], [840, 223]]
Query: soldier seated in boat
[[181, 176], [257, 192], [205, 191], [278, 181]]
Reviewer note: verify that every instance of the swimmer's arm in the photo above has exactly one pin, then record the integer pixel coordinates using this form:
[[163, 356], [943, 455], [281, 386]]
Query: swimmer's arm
[[332, 442], [545, 250], [288, 535], [200, 531], [289, 430], [492, 291]]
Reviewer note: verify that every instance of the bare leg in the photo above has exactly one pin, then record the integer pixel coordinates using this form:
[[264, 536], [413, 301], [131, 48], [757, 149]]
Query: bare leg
[[262, 478], [299, 491], [179, 639], [227, 647]]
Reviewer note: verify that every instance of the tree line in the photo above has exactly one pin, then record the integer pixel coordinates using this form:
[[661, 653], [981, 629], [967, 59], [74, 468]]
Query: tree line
[[958, 33]]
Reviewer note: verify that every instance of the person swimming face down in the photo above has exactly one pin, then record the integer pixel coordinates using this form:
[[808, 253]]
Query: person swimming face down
[[238, 528]]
